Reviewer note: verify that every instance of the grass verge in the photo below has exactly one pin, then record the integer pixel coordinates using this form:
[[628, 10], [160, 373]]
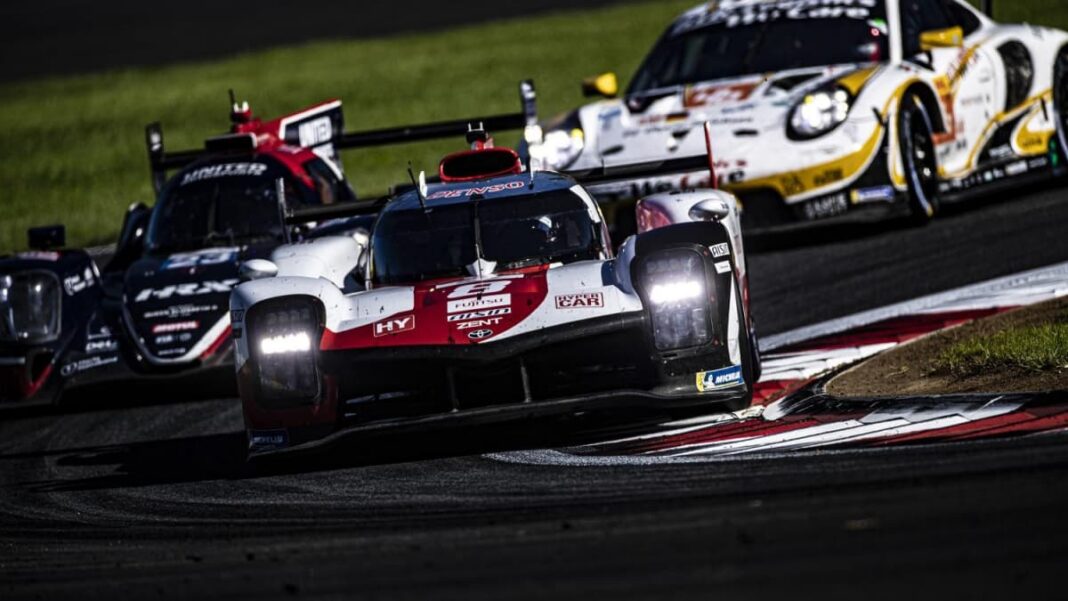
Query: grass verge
[[1020, 351], [71, 148], [1035, 349]]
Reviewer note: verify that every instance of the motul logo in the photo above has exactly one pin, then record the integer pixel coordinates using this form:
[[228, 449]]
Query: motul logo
[[395, 326], [590, 300], [184, 290]]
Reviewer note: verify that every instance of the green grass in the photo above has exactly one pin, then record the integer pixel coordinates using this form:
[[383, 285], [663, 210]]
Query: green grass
[[1035, 349], [72, 148], [1051, 13]]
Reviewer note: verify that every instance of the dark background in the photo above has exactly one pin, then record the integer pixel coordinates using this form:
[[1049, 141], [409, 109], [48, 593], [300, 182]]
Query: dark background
[[59, 37]]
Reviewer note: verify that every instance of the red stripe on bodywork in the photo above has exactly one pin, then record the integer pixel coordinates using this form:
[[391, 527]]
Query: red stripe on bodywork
[[437, 309]]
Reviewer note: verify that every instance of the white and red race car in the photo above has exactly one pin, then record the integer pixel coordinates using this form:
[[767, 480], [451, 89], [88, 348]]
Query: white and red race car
[[495, 294], [834, 109]]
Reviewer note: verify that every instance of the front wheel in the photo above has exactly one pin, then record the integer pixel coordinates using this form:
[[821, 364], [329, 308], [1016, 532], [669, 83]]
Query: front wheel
[[1060, 107], [916, 144]]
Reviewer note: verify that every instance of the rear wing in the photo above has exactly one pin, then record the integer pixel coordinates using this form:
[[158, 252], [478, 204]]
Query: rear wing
[[321, 129], [601, 175]]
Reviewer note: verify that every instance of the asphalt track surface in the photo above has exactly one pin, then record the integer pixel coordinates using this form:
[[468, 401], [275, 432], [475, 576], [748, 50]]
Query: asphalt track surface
[[60, 37], [144, 497]]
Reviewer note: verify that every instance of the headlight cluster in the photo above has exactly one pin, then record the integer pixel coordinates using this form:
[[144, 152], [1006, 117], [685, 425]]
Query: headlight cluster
[[560, 148], [30, 307], [819, 113], [677, 289], [284, 335]]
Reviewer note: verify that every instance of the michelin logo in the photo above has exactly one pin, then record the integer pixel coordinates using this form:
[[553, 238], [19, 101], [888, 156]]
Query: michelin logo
[[721, 378]]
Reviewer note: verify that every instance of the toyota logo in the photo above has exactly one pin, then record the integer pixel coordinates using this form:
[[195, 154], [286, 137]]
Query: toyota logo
[[480, 334]]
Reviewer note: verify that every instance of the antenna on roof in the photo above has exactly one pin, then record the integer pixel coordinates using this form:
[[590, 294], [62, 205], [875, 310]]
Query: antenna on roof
[[420, 186], [233, 101]]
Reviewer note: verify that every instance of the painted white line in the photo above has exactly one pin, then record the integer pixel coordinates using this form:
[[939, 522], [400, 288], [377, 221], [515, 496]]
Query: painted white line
[[1025, 288]]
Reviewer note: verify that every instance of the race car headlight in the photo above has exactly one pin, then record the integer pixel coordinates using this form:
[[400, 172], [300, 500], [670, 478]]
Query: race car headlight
[[676, 288], [30, 307], [283, 335], [299, 342], [560, 148], [819, 113]]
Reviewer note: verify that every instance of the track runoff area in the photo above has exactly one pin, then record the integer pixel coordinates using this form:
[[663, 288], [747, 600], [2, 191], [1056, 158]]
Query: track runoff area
[[792, 413]]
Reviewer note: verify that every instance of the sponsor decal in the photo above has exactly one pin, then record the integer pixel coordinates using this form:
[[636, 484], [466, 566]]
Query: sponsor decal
[[37, 255], [723, 267], [172, 339], [268, 438], [237, 316], [481, 190], [721, 250], [394, 326], [227, 170], [180, 311], [1038, 163], [484, 302], [84, 365], [1018, 168], [77, 283], [715, 95], [876, 194], [740, 13], [100, 332], [101, 346], [822, 208], [479, 314], [588, 300], [480, 334], [315, 132], [721, 378], [195, 289], [170, 328], [481, 323], [171, 352], [217, 256]]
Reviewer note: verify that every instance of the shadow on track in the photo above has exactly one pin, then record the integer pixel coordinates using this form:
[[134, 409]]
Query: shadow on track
[[223, 457], [216, 384]]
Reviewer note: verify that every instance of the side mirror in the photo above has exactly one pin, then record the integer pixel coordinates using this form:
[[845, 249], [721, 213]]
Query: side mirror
[[605, 85], [712, 209], [952, 37], [257, 269], [49, 237]]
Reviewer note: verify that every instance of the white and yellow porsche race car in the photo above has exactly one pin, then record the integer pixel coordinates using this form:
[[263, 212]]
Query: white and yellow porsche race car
[[833, 109]]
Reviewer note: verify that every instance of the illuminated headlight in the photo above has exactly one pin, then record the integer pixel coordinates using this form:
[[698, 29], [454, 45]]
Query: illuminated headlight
[[677, 289], [820, 112], [287, 343], [284, 334], [30, 307], [674, 292], [560, 148]]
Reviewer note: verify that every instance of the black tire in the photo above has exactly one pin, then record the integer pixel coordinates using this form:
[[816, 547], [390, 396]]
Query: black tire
[[1060, 106], [748, 349], [919, 157]]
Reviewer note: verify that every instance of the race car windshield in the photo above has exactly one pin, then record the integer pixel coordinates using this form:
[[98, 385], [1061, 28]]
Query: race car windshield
[[515, 232], [224, 211], [720, 51]]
